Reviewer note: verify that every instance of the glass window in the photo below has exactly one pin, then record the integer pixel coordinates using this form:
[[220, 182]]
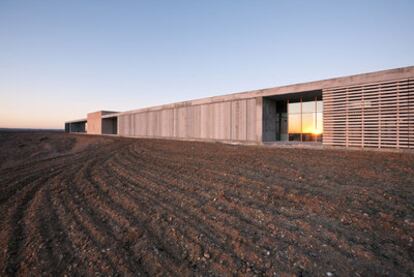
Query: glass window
[[294, 137], [305, 120], [308, 107], [319, 123], [294, 107], [294, 122], [308, 137], [319, 106], [308, 123]]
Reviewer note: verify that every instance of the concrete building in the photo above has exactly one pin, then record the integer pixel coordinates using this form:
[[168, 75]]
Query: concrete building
[[366, 110]]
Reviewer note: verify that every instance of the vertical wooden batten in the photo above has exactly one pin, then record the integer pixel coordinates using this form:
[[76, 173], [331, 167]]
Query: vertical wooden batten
[[372, 115]]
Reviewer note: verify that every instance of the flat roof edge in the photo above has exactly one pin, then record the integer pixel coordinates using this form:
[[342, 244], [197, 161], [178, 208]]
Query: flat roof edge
[[111, 115], [350, 80], [77, 121], [105, 112]]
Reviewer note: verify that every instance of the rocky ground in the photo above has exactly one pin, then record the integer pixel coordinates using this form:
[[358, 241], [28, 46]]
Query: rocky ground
[[87, 205]]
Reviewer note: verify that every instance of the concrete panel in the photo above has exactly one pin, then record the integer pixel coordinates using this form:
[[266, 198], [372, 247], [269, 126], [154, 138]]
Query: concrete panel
[[251, 119], [222, 121], [259, 119], [95, 123], [269, 120]]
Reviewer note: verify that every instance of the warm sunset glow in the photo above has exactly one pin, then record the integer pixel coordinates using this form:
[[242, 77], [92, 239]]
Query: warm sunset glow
[[303, 118], [316, 132]]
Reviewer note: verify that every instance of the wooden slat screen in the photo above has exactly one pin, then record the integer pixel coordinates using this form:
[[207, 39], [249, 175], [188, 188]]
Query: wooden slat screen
[[377, 115]]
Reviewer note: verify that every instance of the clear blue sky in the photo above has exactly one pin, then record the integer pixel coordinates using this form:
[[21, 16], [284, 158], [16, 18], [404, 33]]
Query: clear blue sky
[[62, 59]]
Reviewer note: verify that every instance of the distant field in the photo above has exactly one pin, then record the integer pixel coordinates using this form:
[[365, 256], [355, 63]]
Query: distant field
[[88, 205]]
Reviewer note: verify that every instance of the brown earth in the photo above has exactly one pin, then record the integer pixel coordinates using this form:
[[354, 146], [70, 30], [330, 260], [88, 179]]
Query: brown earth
[[87, 205]]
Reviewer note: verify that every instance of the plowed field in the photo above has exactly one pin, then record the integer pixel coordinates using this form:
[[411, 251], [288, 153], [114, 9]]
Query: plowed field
[[87, 205]]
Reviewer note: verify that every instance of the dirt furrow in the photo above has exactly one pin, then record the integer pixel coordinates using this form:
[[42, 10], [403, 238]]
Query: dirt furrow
[[104, 219], [215, 237], [17, 236], [91, 255], [334, 243], [89, 205], [259, 233], [137, 219]]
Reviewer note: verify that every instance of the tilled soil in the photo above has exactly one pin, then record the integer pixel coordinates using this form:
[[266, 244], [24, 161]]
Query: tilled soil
[[87, 205]]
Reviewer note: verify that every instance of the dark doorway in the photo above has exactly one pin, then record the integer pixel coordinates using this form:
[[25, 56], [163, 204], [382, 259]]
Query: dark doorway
[[110, 125], [275, 120], [281, 121]]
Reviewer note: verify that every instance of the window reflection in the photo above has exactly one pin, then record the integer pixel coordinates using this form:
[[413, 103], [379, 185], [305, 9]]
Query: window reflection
[[305, 120], [319, 122], [319, 106], [294, 122], [294, 108], [308, 122], [308, 107]]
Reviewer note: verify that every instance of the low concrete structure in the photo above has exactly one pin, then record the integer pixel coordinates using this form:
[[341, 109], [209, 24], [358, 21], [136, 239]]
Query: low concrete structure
[[102, 122], [76, 126], [364, 110]]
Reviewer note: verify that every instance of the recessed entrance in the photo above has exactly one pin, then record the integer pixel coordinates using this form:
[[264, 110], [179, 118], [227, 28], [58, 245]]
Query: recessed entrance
[[110, 125], [293, 117]]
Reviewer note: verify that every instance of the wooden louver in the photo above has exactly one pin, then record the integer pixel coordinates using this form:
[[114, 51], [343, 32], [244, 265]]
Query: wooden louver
[[379, 115]]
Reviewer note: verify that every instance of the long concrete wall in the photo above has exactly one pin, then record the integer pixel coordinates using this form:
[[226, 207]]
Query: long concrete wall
[[238, 120], [249, 117]]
